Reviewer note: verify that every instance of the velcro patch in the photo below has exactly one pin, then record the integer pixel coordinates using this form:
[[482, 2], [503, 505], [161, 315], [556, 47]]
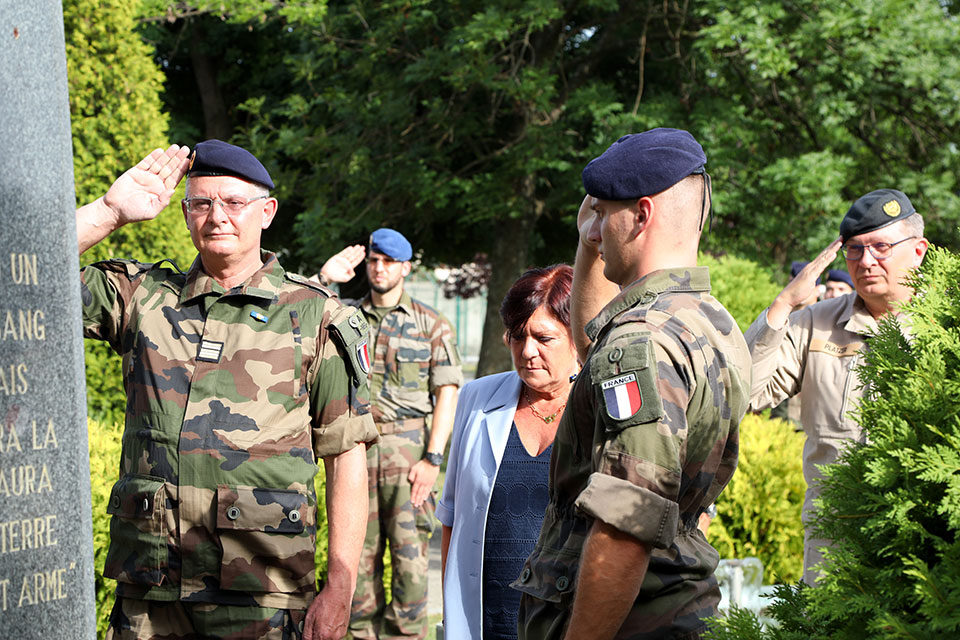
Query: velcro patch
[[352, 335], [210, 351], [363, 356]]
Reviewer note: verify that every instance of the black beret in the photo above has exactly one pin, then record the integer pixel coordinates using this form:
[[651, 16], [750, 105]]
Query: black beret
[[874, 211], [643, 164], [218, 158]]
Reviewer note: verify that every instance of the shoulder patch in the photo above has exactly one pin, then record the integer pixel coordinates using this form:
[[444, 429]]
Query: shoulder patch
[[130, 268], [352, 335], [296, 278], [624, 374]]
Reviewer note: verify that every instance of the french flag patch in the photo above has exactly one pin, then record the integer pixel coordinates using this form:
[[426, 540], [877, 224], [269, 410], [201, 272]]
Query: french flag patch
[[622, 396], [363, 356]]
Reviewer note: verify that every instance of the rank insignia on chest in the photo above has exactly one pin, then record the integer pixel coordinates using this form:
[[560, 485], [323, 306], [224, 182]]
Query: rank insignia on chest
[[210, 351], [363, 355], [622, 396]]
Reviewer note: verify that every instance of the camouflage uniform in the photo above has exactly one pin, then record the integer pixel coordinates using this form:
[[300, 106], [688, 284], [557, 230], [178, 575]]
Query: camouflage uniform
[[414, 352], [648, 441], [232, 397]]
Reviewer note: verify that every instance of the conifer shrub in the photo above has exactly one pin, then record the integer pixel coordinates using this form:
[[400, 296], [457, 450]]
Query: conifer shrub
[[758, 513], [892, 506]]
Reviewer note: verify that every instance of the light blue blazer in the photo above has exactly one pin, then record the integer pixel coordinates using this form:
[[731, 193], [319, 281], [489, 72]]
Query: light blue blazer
[[481, 428]]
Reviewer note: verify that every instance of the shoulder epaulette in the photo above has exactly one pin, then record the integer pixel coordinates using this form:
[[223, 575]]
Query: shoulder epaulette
[[296, 278]]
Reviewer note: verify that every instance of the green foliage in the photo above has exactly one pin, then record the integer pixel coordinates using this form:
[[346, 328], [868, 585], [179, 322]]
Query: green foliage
[[104, 444], [807, 105], [116, 119], [893, 506], [741, 285], [758, 513]]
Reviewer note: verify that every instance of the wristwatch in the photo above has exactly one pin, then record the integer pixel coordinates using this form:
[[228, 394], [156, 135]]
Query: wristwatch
[[436, 459]]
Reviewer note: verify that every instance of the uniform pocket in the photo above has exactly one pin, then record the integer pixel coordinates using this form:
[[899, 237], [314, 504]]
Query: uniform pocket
[[413, 364], [624, 379], [138, 552], [268, 539]]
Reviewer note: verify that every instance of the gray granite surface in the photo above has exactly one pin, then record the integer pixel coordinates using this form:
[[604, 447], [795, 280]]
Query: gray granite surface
[[46, 549]]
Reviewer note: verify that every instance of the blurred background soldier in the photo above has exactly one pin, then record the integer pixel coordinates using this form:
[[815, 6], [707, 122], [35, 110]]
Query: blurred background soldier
[[415, 373], [838, 283]]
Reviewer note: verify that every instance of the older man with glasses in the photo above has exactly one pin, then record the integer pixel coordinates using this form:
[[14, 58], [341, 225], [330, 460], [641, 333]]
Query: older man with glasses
[[815, 349]]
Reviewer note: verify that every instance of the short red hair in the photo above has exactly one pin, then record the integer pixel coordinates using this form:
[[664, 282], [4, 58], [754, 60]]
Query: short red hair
[[548, 287]]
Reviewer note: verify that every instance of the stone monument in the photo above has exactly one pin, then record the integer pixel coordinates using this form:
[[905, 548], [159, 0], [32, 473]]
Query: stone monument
[[46, 545]]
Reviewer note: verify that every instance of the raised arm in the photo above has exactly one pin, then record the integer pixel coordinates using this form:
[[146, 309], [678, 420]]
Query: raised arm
[[801, 287], [591, 291], [341, 266], [141, 193]]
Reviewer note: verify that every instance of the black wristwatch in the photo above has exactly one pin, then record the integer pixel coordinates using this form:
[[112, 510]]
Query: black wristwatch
[[436, 459]]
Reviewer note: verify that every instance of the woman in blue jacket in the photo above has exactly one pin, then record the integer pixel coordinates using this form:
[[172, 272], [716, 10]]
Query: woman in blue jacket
[[495, 490]]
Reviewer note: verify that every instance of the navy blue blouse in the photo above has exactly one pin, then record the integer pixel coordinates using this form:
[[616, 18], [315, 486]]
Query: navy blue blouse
[[517, 505]]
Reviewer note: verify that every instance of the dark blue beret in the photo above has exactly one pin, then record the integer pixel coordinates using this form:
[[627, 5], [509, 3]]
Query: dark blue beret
[[218, 158], [874, 211], [643, 164], [391, 243], [839, 275], [797, 266]]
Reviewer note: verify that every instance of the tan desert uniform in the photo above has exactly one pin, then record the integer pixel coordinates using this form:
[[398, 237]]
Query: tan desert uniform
[[814, 352]]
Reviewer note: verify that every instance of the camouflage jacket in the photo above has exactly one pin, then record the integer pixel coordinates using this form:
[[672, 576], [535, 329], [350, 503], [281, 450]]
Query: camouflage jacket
[[232, 397], [414, 352], [648, 441]]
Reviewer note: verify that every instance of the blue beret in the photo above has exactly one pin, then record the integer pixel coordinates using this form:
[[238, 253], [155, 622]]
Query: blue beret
[[218, 158], [839, 275], [643, 164], [874, 211], [391, 243]]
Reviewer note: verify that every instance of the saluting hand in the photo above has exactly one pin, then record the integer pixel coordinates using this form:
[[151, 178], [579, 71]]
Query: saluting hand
[[802, 286], [341, 266], [144, 190], [585, 219]]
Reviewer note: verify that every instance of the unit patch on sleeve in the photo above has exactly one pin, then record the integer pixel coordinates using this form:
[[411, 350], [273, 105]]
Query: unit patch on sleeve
[[363, 356], [622, 396]]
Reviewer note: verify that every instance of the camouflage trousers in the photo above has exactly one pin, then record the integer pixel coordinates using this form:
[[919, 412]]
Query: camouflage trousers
[[392, 518], [155, 620]]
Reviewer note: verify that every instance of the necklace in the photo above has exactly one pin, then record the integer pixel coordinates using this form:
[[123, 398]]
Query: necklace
[[547, 419]]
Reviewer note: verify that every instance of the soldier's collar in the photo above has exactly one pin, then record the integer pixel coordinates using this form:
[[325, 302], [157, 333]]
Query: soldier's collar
[[405, 303], [856, 318], [265, 283], [646, 290]]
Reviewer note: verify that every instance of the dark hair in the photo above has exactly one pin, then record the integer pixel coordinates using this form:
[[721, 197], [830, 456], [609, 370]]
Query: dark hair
[[547, 287]]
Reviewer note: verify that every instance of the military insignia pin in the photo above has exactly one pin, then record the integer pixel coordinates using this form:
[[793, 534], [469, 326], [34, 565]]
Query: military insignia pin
[[891, 208], [193, 157], [363, 356], [622, 396]]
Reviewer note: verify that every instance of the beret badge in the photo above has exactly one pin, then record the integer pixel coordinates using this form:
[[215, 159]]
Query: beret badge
[[891, 208], [193, 157]]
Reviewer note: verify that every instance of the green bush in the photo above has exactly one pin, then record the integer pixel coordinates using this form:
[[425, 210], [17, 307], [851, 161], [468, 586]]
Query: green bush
[[742, 286], [758, 513], [892, 506], [104, 443]]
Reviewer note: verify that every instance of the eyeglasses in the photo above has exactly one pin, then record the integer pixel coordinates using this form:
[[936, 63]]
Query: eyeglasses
[[879, 250], [202, 206], [384, 259]]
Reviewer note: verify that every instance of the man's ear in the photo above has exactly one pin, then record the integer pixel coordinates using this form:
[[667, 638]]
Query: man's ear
[[921, 250], [269, 212], [644, 211], [406, 268]]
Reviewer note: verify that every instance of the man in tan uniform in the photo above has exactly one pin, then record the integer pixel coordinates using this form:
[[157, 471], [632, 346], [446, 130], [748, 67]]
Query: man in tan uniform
[[815, 349]]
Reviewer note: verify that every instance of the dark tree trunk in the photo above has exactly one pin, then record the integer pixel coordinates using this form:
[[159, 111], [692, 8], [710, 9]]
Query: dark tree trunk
[[216, 120], [509, 258]]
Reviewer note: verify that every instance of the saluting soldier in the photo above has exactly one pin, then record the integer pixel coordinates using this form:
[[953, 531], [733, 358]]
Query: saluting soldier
[[816, 349], [649, 437], [414, 381], [240, 376]]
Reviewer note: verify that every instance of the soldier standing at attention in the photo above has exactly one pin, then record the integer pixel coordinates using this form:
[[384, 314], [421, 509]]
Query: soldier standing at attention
[[815, 350], [414, 356], [239, 376], [649, 437]]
